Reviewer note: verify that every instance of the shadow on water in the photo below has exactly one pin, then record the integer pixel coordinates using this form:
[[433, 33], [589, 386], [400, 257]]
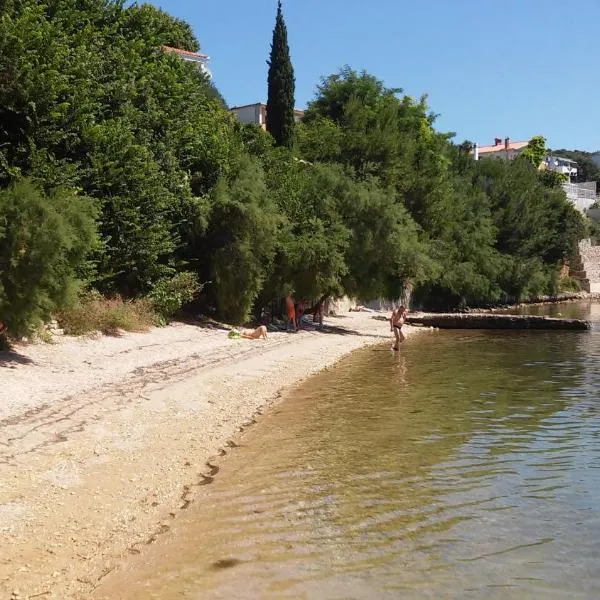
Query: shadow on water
[[465, 466]]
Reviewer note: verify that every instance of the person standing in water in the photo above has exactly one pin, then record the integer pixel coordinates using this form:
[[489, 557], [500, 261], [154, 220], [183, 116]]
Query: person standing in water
[[396, 322]]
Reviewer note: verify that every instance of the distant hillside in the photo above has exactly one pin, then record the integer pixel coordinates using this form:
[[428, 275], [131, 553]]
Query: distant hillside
[[588, 163]]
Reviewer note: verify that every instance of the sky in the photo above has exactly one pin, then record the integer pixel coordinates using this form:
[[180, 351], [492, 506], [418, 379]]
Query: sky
[[490, 68]]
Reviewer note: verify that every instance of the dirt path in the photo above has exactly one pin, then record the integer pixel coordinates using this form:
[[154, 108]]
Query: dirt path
[[103, 442]]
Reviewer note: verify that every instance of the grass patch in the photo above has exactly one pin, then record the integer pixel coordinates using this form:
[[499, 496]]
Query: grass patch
[[108, 315], [568, 284]]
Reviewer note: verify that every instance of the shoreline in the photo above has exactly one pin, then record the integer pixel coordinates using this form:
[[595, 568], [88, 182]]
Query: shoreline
[[102, 445]]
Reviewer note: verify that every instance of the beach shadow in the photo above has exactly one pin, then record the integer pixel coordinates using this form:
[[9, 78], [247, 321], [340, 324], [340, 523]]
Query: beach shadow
[[326, 329], [203, 322], [10, 359]]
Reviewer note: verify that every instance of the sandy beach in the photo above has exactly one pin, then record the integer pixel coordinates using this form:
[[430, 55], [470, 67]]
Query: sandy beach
[[104, 441]]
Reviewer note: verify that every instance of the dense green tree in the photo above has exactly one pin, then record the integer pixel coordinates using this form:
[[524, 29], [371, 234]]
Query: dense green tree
[[537, 227], [44, 239], [240, 240], [535, 151], [281, 86], [471, 232], [154, 27], [88, 99]]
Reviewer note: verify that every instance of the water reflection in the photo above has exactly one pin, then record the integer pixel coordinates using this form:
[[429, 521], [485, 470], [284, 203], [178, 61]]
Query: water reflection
[[466, 466]]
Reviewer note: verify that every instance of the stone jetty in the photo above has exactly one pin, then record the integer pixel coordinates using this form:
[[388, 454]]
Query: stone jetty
[[495, 321]]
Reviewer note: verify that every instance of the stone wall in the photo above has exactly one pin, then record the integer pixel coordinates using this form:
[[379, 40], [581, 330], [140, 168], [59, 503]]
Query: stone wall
[[587, 271]]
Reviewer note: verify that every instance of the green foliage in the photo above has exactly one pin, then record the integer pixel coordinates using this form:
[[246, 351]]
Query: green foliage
[[240, 240], [552, 179], [256, 141], [536, 226], [475, 233], [106, 126], [44, 239], [569, 284], [168, 296], [88, 100], [535, 151], [153, 26], [281, 86]]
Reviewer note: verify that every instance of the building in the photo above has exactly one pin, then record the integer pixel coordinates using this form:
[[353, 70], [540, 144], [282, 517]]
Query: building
[[581, 195], [565, 166], [507, 150], [257, 114], [504, 149], [194, 57]]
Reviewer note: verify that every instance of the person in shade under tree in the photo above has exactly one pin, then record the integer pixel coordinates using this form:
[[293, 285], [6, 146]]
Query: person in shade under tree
[[290, 310]]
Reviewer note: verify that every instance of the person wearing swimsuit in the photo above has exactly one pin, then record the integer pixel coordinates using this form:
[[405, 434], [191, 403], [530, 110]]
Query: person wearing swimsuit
[[291, 312], [396, 322]]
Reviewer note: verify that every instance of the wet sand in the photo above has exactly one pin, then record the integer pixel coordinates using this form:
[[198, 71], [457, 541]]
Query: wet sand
[[103, 442]]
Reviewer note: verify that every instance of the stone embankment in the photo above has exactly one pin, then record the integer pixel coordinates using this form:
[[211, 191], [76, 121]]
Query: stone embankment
[[586, 267], [496, 321]]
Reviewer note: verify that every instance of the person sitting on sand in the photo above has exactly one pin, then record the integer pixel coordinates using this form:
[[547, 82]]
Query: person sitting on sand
[[255, 334], [396, 322], [3, 327]]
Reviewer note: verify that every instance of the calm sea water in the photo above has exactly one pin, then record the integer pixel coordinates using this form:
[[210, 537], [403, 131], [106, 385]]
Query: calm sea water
[[467, 466]]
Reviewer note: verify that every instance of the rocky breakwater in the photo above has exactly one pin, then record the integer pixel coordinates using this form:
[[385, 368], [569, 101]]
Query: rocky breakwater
[[496, 321]]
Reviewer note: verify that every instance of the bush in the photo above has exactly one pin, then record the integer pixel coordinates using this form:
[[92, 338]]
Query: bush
[[569, 284], [169, 295], [44, 241], [108, 315]]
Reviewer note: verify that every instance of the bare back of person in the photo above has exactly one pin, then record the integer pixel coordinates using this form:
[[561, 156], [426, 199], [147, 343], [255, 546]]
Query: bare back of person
[[396, 322], [255, 334]]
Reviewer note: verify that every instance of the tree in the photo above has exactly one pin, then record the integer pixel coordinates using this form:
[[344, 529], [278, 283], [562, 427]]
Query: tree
[[281, 84], [88, 100], [536, 227], [535, 151], [44, 239], [240, 240]]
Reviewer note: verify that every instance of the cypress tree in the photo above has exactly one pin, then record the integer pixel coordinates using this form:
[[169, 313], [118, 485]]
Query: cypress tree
[[281, 83]]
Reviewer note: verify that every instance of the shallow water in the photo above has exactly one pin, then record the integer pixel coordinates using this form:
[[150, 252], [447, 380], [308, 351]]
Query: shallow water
[[468, 466]]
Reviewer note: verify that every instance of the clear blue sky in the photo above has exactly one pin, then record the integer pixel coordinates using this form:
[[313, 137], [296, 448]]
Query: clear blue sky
[[491, 68]]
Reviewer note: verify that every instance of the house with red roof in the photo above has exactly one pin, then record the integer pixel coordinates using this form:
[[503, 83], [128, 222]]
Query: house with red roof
[[194, 57], [504, 149]]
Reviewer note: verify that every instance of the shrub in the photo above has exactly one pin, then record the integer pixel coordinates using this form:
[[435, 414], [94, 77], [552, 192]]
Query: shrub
[[569, 284], [169, 295], [44, 240], [108, 315]]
